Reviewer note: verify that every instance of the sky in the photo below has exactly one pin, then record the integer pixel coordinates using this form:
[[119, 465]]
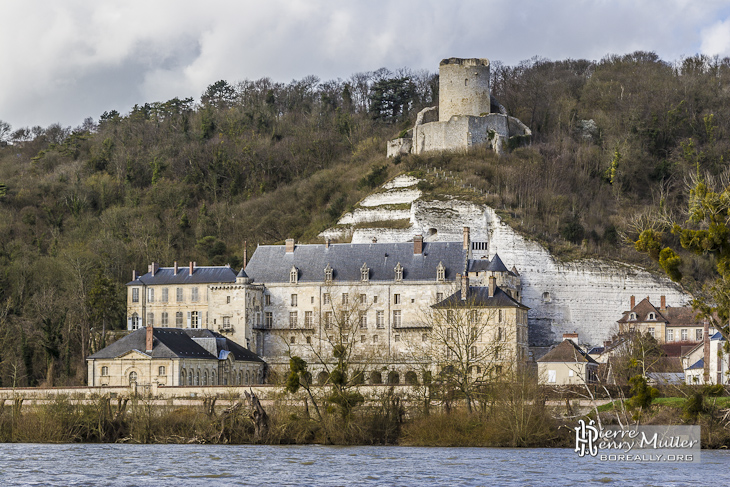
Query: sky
[[63, 61]]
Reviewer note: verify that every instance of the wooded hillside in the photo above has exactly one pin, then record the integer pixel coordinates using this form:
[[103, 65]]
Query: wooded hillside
[[258, 161]]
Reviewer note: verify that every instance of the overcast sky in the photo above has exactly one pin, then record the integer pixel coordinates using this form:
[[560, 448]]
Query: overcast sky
[[64, 60]]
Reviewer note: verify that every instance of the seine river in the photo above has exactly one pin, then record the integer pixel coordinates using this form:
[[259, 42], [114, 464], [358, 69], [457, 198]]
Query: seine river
[[216, 465]]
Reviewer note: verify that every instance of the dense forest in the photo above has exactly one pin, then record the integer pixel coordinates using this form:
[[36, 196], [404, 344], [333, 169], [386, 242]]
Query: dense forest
[[615, 144]]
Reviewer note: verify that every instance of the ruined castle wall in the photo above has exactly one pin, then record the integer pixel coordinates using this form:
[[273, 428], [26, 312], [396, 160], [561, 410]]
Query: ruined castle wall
[[463, 88]]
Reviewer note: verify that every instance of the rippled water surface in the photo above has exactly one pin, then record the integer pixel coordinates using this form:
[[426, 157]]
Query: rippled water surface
[[215, 465]]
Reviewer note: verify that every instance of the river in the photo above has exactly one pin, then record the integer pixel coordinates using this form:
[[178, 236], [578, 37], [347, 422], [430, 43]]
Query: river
[[220, 465]]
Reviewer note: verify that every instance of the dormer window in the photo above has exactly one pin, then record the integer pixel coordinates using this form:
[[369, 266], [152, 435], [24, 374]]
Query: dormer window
[[364, 272], [632, 317], [440, 272], [328, 273], [293, 275], [652, 316], [398, 272]]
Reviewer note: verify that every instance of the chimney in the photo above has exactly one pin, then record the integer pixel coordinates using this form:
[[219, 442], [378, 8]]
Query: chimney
[[633, 302], [289, 245], [245, 254], [464, 287], [148, 341], [492, 286], [466, 239], [706, 350], [418, 244], [174, 271], [192, 268], [664, 303], [154, 267], [327, 243], [570, 336], [134, 275]]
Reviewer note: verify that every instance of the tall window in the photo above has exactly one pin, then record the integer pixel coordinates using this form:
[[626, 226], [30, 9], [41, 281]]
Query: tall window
[[292, 319], [150, 295], [194, 319], [267, 299], [132, 378], [161, 370], [226, 322], [228, 300], [398, 272], [345, 298], [165, 293], [396, 317], [269, 319], [135, 295], [698, 334], [439, 297], [363, 319], [328, 273], [150, 319], [328, 319], [105, 371], [651, 331], [670, 335], [293, 299], [473, 352], [684, 334], [308, 319], [364, 272], [179, 294], [135, 321], [293, 275], [440, 272], [380, 319], [473, 315], [396, 299], [165, 319], [363, 299], [194, 294], [450, 316], [326, 298]]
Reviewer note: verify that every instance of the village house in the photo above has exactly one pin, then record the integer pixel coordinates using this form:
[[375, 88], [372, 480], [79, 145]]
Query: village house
[[708, 359], [667, 324], [567, 364], [174, 357]]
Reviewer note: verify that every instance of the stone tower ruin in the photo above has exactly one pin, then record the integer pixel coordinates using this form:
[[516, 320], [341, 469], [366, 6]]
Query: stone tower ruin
[[464, 117], [464, 88]]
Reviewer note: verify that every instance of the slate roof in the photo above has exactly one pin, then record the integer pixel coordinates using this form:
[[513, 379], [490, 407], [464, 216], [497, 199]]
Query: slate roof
[[201, 275], [271, 263], [479, 297], [700, 364], [495, 265], [567, 351], [175, 343]]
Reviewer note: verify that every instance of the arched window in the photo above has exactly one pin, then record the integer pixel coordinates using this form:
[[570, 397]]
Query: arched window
[[440, 272], [182, 377], [197, 377], [652, 316], [364, 272], [132, 378], [328, 273], [190, 377], [632, 316], [411, 378], [135, 321], [247, 378], [398, 272], [376, 378], [205, 377], [393, 378], [293, 275], [213, 380], [240, 378]]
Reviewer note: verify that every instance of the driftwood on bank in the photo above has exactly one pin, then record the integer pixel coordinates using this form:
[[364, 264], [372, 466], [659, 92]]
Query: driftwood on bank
[[259, 417]]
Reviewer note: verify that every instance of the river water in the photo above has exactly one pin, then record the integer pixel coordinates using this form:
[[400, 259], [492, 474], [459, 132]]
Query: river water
[[218, 465]]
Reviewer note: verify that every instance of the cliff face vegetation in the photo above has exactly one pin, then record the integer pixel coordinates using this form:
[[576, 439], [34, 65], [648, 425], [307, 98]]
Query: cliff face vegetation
[[192, 180]]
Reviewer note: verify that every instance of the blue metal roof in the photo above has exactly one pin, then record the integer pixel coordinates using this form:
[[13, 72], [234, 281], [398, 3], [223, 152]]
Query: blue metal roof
[[700, 364]]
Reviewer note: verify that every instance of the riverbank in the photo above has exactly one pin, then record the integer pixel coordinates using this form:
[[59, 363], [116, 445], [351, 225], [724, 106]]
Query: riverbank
[[390, 416]]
